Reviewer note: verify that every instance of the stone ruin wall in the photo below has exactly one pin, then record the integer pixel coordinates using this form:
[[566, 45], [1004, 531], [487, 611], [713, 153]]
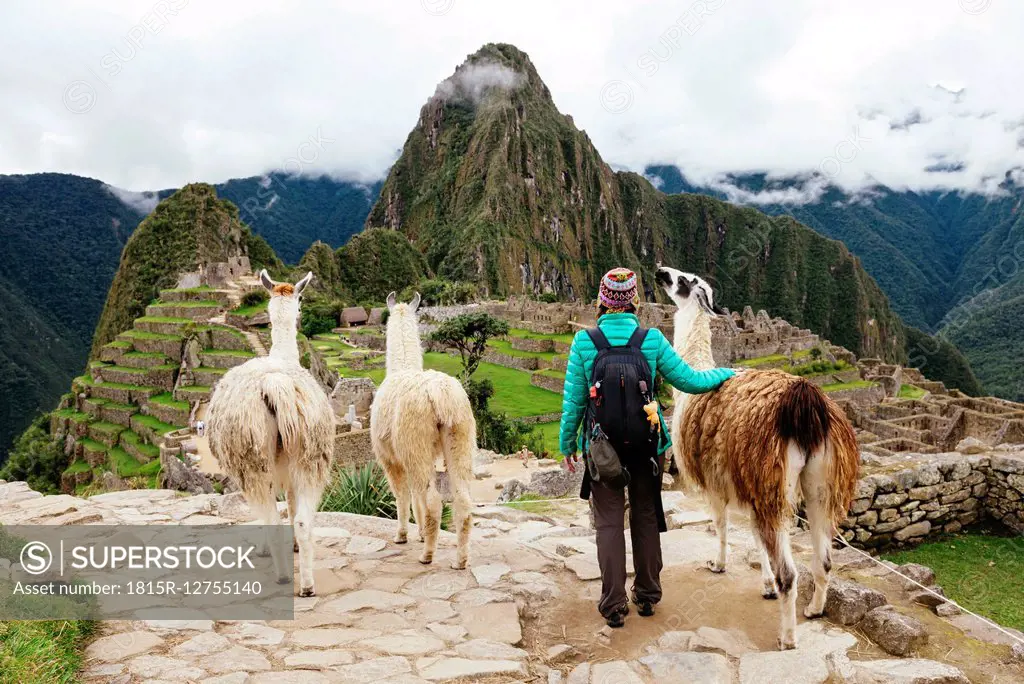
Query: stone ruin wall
[[936, 495]]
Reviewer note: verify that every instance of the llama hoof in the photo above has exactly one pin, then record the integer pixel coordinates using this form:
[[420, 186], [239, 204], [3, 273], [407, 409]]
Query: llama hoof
[[426, 560], [284, 580], [308, 591], [295, 547], [787, 644], [769, 595], [813, 614], [263, 552], [401, 538], [715, 567], [458, 565]]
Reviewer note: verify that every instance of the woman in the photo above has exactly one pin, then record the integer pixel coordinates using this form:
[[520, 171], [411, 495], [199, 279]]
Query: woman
[[617, 323]]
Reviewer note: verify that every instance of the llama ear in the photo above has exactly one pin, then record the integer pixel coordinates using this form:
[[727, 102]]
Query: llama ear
[[265, 279], [415, 303], [391, 301], [301, 285], [705, 302]]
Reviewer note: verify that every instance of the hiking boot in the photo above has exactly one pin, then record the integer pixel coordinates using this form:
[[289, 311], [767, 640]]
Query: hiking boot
[[644, 608], [618, 618]]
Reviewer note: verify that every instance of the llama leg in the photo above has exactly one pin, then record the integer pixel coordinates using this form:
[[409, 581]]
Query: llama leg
[[821, 533], [265, 510], [720, 516], [459, 448], [420, 514], [431, 523], [305, 508], [767, 578], [775, 538], [292, 498], [398, 478]]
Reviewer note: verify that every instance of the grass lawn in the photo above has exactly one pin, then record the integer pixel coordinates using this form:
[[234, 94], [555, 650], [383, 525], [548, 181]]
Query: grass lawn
[[505, 347], [251, 310], [840, 386], [244, 353], [513, 393], [48, 651], [527, 335], [981, 572], [911, 392], [536, 503], [549, 437], [192, 304], [144, 335]]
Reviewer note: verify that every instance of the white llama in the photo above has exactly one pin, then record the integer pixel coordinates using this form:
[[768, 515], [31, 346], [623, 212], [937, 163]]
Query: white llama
[[416, 416], [764, 440], [271, 428]]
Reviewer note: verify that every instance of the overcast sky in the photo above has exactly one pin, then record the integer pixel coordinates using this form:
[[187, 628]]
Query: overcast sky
[[149, 95]]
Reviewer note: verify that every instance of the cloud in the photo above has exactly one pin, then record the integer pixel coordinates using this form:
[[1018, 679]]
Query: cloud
[[471, 82], [142, 202], [716, 87]]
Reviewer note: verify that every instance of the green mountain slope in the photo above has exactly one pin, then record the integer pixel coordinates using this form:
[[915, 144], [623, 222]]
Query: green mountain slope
[[190, 228], [497, 187], [988, 328]]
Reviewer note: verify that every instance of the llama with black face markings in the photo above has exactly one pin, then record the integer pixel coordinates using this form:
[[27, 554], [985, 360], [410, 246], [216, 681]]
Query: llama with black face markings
[[765, 440]]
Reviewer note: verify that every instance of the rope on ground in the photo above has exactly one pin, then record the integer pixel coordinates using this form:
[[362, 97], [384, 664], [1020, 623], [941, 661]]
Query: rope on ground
[[946, 599]]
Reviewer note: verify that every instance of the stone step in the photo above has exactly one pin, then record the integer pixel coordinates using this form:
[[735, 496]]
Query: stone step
[[151, 428], [218, 358], [192, 393], [168, 345], [196, 311], [139, 359], [135, 445], [197, 294], [156, 376], [209, 376], [121, 414], [123, 394], [105, 433], [168, 409], [69, 421], [163, 325], [92, 452], [113, 351]]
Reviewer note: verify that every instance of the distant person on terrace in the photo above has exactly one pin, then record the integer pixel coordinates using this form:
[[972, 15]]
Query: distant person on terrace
[[609, 390]]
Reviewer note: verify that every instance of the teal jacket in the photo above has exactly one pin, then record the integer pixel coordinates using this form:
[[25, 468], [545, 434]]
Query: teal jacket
[[661, 357]]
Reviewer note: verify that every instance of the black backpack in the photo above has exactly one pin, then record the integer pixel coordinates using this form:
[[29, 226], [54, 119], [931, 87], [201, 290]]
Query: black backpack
[[620, 386]]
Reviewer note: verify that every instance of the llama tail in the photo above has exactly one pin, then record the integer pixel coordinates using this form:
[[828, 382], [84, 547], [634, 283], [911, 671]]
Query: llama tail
[[807, 418], [803, 416], [282, 401]]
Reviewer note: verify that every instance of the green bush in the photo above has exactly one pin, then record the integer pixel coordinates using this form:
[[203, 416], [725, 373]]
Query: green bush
[[319, 316], [365, 491], [254, 297], [36, 458], [548, 297]]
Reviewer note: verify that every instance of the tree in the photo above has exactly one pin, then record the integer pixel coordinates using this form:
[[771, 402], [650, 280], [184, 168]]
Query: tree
[[469, 333]]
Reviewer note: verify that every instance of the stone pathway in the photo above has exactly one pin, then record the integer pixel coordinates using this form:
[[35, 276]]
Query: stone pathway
[[523, 611]]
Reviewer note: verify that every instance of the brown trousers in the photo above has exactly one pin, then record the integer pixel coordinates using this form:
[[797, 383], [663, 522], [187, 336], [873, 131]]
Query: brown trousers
[[609, 516]]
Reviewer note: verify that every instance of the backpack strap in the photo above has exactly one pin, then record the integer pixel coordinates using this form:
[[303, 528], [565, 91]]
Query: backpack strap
[[598, 338], [636, 340]]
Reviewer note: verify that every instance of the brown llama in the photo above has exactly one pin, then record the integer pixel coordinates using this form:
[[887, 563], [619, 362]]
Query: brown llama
[[766, 440]]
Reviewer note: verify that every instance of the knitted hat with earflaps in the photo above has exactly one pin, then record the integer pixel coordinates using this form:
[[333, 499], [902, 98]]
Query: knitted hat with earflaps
[[618, 290]]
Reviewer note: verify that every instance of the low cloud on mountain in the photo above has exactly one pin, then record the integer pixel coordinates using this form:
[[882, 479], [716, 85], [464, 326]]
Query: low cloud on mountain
[[916, 94]]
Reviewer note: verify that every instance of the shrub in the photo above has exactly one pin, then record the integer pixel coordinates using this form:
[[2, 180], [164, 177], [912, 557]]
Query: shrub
[[365, 491], [548, 297], [36, 458], [469, 334], [435, 292], [254, 297], [319, 316]]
